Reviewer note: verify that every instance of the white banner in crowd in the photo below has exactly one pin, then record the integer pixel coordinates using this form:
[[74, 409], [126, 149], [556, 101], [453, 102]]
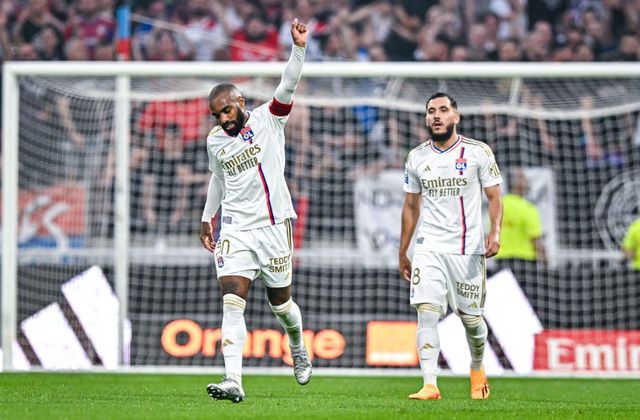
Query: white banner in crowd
[[378, 207]]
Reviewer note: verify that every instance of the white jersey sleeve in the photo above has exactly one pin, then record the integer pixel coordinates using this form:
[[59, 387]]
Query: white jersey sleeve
[[215, 193], [411, 180], [489, 171]]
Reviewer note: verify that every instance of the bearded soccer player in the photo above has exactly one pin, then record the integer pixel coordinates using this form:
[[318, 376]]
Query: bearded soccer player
[[246, 158], [444, 178]]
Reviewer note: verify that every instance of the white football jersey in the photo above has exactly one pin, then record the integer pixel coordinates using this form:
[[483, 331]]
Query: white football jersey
[[251, 165], [451, 183]]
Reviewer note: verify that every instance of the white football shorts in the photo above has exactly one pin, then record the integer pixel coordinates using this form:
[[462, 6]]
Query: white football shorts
[[266, 252], [459, 280]]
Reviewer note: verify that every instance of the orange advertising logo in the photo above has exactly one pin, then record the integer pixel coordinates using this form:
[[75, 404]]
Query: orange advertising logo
[[391, 343], [325, 344]]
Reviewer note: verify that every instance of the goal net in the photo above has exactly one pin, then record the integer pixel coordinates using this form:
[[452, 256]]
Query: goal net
[[80, 236]]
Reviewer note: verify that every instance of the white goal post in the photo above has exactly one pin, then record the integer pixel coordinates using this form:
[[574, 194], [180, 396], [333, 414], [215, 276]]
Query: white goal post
[[524, 96]]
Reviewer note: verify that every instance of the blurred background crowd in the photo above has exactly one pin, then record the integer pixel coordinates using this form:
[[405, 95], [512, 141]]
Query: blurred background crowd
[[330, 146], [351, 30]]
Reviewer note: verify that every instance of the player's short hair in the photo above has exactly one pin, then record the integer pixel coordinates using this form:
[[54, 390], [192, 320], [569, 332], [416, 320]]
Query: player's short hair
[[224, 88], [454, 103]]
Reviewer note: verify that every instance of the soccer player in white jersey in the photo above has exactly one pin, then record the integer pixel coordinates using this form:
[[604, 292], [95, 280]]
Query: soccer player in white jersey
[[444, 179], [246, 158]]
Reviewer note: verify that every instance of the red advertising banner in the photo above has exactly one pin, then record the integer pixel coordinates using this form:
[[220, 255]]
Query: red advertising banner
[[587, 351], [51, 211]]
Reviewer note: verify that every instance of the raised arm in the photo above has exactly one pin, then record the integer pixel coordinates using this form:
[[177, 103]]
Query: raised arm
[[293, 69]]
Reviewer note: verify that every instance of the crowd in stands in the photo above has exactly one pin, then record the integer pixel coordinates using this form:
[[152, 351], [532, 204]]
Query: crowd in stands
[[323, 162], [351, 30]]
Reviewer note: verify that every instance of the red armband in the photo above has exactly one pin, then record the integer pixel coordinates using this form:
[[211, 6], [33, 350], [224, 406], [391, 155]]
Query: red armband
[[279, 109]]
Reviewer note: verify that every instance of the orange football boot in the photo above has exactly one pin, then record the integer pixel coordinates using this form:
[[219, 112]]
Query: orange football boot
[[428, 392], [479, 385]]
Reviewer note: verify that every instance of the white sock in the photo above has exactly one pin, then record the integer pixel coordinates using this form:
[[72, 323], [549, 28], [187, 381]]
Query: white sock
[[477, 333], [234, 335], [428, 342], [291, 319]]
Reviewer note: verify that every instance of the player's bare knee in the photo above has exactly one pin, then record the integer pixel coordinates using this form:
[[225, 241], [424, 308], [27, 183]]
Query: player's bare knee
[[278, 295], [235, 285]]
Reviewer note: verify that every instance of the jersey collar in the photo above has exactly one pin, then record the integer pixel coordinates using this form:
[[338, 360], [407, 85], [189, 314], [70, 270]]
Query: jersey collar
[[448, 149]]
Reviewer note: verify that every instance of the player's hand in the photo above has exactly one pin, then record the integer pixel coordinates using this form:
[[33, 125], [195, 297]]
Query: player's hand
[[206, 237], [299, 33], [492, 244], [404, 265]]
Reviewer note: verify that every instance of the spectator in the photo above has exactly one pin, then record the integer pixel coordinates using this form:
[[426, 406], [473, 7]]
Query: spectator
[[459, 53], [436, 50], [305, 11], [521, 224], [606, 30], [376, 17], [33, 19], [562, 53], [509, 50], [512, 17], [165, 47], [75, 50], [535, 48], [204, 30], [48, 44], [194, 176], [5, 42], [594, 152], [631, 245], [597, 35], [189, 114], [142, 38], [105, 51], [491, 24], [628, 49], [401, 43], [164, 185], [477, 41], [273, 11], [90, 26], [582, 52], [545, 33], [255, 42], [547, 10]]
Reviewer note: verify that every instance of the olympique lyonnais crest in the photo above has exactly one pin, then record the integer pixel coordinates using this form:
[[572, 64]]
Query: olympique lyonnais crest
[[247, 134], [220, 262], [461, 164]]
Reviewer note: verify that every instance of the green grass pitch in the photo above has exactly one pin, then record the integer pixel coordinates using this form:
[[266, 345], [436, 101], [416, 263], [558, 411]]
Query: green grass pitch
[[170, 396]]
